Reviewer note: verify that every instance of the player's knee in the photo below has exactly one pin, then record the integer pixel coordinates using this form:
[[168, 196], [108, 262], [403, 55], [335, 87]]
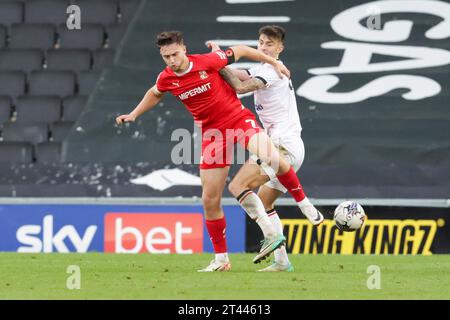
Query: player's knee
[[253, 185], [274, 161], [211, 201], [283, 166], [232, 187], [236, 187], [267, 205]]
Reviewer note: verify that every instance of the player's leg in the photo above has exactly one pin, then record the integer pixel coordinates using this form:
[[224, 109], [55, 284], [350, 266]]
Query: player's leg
[[262, 146], [268, 194], [249, 177], [213, 182], [273, 189]]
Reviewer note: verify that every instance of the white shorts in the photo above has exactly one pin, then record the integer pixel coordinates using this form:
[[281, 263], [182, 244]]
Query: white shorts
[[293, 150]]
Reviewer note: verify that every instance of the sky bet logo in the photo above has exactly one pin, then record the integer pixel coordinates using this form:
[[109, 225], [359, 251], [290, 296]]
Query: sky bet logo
[[36, 238], [123, 233], [153, 233]]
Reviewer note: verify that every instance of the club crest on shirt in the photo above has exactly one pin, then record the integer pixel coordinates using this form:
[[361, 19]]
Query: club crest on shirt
[[203, 75]]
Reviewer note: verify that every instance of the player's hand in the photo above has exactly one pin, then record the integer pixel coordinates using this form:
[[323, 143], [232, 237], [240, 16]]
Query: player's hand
[[213, 46], [125, 118], [282, 70]]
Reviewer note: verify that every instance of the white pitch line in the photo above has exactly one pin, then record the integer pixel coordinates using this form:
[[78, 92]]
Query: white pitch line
[[254, 19], [232, 42], [254, 1]]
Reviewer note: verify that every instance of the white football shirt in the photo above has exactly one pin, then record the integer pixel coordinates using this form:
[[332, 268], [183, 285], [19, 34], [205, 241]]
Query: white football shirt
[[276, 105]]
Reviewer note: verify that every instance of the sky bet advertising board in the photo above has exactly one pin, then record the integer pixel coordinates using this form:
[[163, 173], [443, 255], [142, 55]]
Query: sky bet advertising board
[[115, 229]]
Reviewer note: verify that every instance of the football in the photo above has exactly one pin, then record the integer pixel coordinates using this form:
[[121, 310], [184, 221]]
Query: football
[[349, 216]]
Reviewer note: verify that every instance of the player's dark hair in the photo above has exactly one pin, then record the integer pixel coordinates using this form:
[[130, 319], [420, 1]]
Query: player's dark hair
[[274, 32], [168, 37]]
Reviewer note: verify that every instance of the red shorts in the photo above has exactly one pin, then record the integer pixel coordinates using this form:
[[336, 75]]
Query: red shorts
[[218, 143]]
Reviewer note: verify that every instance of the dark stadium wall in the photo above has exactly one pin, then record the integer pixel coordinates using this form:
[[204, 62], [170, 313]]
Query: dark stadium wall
[[379, 122]]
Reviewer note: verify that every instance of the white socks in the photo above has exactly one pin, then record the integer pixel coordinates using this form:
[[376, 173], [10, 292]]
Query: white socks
[[221, 257], [281, 256], [269, 222], [252, 204], [304, 203]]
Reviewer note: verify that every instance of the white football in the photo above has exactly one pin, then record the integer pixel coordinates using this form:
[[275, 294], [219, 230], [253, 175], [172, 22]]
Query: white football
[[349, 216]]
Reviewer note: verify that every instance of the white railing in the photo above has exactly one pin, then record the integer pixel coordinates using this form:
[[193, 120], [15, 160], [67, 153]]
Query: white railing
[[438, 203]]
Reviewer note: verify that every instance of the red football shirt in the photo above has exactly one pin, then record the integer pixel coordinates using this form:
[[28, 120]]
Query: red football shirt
[[209, 98]]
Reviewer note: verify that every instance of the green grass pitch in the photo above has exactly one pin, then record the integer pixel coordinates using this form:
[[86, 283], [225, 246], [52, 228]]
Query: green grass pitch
[[144, 276]]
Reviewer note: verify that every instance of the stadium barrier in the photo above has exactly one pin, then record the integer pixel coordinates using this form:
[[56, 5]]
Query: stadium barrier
[[113, 228], [388, 229], [176, 225]]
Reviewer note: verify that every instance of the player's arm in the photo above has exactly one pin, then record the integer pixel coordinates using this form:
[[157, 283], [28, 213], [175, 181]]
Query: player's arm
[[239, 86], [242, 51], [241, 74], [152, 97]]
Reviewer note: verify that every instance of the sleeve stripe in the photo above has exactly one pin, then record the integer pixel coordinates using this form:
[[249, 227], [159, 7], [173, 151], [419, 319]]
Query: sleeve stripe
[[262, 79], [248, 72]]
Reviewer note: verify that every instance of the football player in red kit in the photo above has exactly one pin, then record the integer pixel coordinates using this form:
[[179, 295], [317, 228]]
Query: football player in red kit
[[195, 80]]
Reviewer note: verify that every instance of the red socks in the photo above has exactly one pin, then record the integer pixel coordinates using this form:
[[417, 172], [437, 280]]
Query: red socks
[[290, 181], [216, 230]]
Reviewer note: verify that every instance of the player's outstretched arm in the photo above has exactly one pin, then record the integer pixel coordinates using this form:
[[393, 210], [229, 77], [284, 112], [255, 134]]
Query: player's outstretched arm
[[239, 86], [150, 99], [242, 51], [241, 74]]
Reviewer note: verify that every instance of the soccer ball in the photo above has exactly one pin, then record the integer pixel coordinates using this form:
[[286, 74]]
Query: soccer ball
[[349, 216]]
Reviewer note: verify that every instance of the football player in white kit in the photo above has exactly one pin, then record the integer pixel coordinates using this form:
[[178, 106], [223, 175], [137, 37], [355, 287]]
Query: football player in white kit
[[276, 106]]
